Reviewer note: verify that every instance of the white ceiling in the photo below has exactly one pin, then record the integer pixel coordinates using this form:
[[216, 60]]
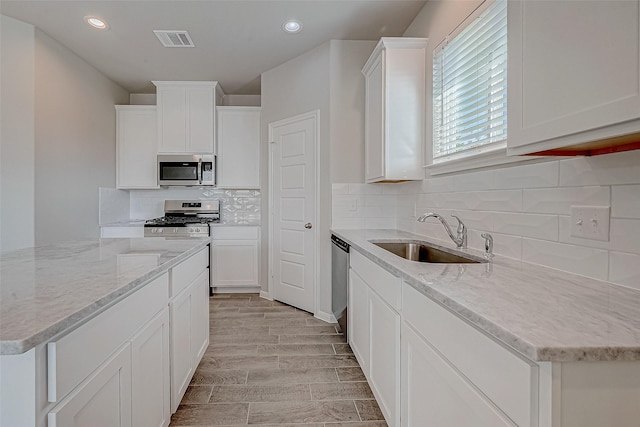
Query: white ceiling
[[236, 40]]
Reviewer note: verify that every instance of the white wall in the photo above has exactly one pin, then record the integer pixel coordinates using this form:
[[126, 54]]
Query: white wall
[[328, 79], [298, 86], [347, 109], [74, 141], [17, 145]]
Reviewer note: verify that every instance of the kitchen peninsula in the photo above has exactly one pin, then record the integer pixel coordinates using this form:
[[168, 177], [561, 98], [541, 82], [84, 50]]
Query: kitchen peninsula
[[84, 330]]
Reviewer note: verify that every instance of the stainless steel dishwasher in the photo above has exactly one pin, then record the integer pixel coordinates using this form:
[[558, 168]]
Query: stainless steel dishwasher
[[339, 281]]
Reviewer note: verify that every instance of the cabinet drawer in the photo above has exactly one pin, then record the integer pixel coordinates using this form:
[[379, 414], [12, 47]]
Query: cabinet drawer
[[507, 379], [237, 233], [74, 356], [186, 272], [380, 280]]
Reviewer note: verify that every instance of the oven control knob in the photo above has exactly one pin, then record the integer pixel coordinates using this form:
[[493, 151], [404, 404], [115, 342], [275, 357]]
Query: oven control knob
[[197, 230]]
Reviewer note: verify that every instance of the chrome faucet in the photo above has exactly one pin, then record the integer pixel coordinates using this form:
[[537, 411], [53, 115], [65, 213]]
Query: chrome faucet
[[460, 239]]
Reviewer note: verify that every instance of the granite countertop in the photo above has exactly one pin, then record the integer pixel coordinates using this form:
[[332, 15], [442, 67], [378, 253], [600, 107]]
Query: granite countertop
[[48, 289], [545, 314]]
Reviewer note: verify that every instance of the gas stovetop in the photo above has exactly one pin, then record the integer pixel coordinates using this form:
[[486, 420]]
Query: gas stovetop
[[179, 221], [184, 218]]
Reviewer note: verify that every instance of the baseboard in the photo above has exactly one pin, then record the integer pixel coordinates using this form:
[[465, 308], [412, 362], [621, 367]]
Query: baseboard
[[236, 289], [325, 317], [266, 295]]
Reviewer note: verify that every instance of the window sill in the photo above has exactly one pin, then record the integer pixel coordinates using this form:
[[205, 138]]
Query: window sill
[[481, 161]]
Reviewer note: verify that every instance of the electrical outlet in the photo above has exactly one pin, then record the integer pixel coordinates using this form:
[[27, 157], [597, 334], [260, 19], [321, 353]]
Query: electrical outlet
[[353, 205], [590, 222]]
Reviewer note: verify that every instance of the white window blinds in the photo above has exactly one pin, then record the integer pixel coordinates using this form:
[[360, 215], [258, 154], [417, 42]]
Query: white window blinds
[[470, 87]]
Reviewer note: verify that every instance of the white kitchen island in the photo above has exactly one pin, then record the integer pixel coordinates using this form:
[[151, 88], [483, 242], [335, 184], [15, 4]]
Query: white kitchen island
[[107, 330]]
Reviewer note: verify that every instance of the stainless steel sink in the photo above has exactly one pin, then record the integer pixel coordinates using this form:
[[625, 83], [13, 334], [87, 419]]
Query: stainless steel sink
[[423, 252]]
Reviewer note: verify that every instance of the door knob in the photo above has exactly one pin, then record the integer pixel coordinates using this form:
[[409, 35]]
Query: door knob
[[308, 225]]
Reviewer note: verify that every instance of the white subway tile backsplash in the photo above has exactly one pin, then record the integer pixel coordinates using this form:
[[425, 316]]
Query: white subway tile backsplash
[[625, 235], [559, 200], [543, 227], [346, 223], [499, 200], [365, 189], [479, 220], [537, 175], [526, 208], [574, 259], [339, 189], [378, 199], [625, 201], [608, 169], [474, 181], [624, 269], [438, 185], [380, 223]]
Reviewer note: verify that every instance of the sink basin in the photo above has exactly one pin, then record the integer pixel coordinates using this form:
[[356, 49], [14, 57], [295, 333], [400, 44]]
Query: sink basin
[[423, 252]]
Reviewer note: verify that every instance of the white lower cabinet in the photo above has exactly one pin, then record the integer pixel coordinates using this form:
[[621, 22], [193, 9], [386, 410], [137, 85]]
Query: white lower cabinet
[[358, 312], [434, 394], [235, 258], [101, 400], [384, 360], [150, 373], [374, 332], [189, 314]]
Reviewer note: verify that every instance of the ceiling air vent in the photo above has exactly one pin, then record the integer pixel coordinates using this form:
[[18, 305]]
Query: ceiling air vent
[[174, 38]]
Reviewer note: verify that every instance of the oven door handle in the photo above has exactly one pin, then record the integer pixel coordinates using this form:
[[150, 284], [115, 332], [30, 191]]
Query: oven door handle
[[200, 171]]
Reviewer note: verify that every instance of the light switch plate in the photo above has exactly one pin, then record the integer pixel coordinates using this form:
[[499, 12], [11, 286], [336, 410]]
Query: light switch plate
[[590, 222]]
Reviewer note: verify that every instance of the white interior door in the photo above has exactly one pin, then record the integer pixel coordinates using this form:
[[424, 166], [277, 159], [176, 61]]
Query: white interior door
[[292, 186]]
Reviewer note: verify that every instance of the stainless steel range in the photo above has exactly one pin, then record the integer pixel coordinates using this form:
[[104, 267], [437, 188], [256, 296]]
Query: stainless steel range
[[184, 218]]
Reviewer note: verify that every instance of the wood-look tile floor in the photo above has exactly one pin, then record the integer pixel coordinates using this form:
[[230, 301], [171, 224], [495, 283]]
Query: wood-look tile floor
[[269, 364]]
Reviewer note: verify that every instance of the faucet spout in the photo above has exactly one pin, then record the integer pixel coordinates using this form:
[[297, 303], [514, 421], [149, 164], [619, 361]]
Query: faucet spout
[[460, 239]]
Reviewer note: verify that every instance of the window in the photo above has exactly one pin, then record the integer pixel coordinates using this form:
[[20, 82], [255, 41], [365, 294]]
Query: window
[[470, 86]]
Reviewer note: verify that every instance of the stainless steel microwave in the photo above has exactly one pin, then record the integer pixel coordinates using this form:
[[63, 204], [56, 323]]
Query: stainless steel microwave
[[186, 169]]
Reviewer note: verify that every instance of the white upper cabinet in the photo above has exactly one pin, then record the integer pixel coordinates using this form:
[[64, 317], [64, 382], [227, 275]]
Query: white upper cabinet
[[395, 110], [238, 147], [574, 75], [136, 146], [186, 116]]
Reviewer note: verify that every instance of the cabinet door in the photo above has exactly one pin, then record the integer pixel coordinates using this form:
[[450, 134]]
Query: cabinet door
[[238, 145], [434, 394], [102, 400], [136, 147], [235, 262], [200, 120], [172, 119], [375, 122], [199, 318], [358, 324], [150, 373], [573, 71], [180, 341], [384, 364]]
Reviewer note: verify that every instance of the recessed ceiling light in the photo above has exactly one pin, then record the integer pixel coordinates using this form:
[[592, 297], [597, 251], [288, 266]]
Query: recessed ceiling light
[[96, 22], [292, 26]]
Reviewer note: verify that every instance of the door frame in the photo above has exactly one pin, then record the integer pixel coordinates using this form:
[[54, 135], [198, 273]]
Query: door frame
[[315, 114]]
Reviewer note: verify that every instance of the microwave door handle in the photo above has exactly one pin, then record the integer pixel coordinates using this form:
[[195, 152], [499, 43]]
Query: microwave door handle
[[200, 171]]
